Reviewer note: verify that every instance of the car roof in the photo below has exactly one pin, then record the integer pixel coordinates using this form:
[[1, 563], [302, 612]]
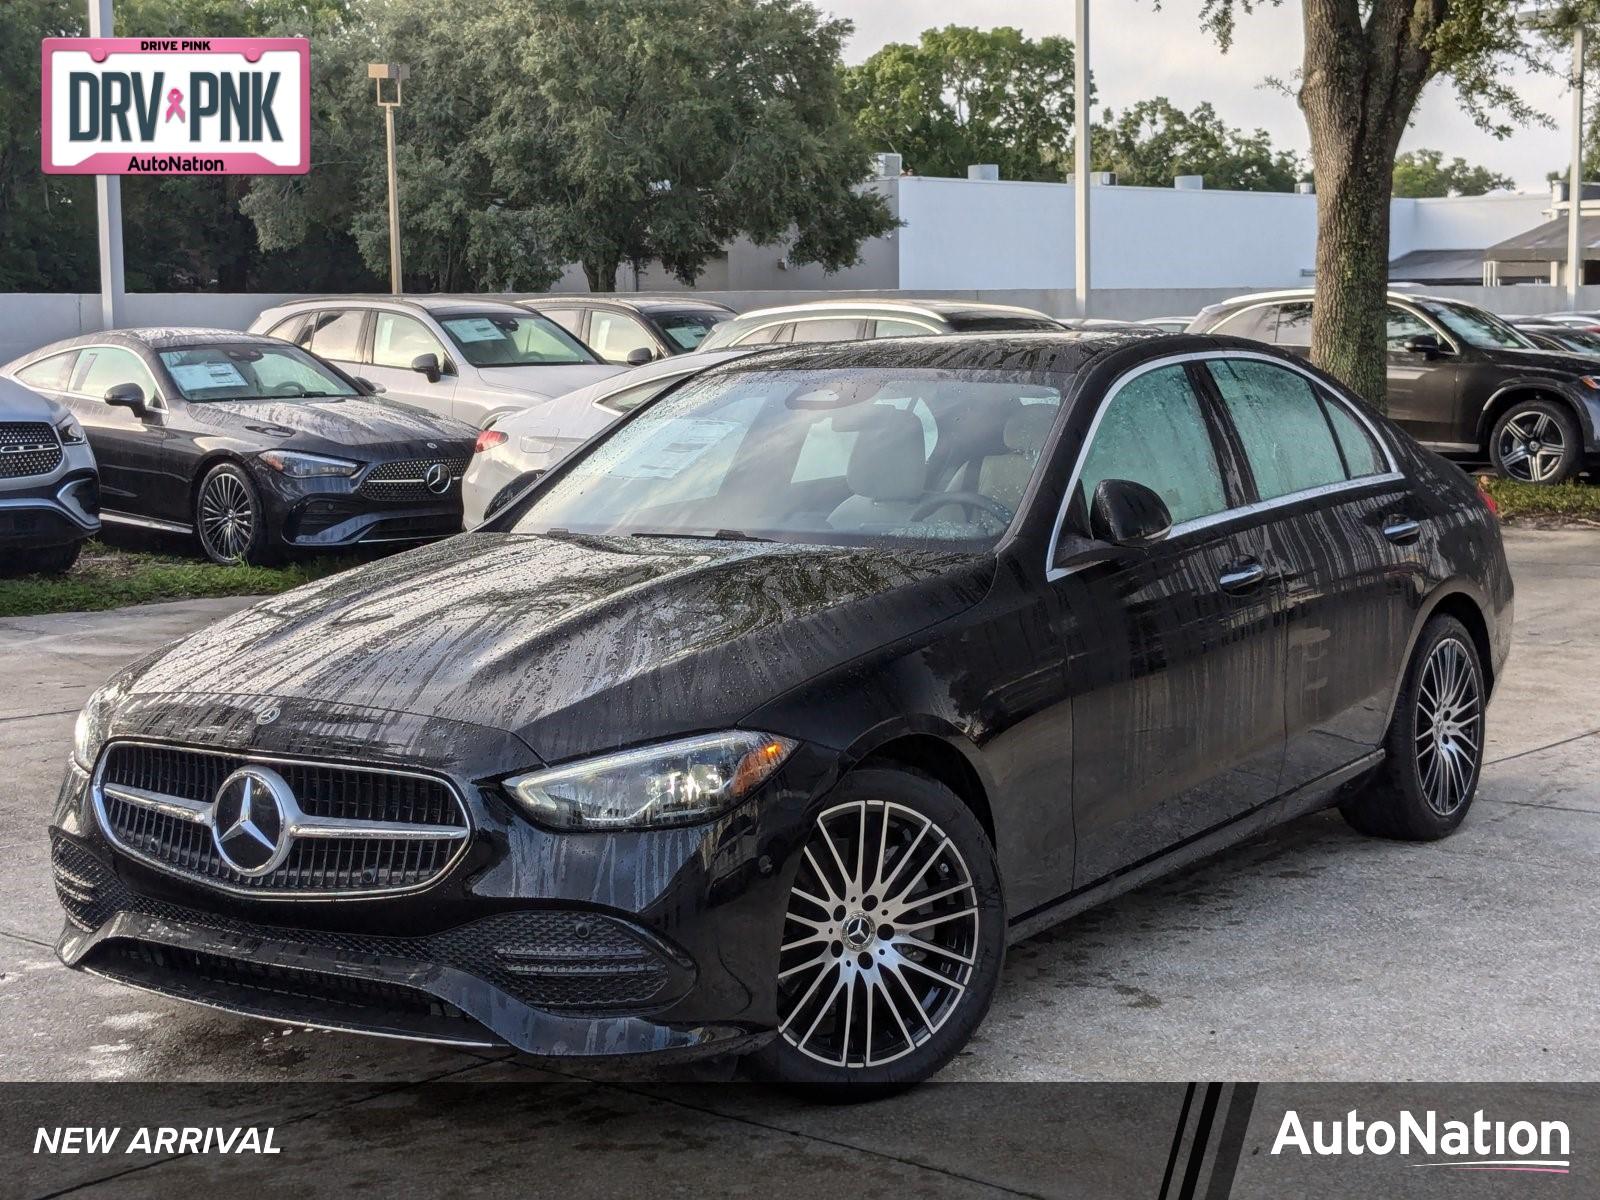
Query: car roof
[[641, 303], [938, 309], [437, 304], [160, 338], [1310, 294]]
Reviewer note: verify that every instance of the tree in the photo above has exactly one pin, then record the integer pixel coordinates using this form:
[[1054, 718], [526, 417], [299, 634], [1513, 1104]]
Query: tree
[[962, 96], [1365, 65], [1153, 141], [1425, 173]]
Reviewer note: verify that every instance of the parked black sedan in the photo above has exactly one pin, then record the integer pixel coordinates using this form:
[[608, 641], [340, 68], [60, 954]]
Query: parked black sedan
[[1462, 381], [250, 443], [766, 720]]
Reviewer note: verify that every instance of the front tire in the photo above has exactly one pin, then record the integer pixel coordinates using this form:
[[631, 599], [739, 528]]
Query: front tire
[[1434, 747], [893, 938], [1537, 441], [229, 518]]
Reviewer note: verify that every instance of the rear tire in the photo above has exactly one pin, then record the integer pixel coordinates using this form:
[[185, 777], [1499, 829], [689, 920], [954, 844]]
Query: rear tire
[[1434, 747], [1537, 441], [893, 939]]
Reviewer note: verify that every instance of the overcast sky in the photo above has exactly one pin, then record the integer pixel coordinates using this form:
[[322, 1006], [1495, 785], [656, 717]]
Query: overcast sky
[[1139, 52]]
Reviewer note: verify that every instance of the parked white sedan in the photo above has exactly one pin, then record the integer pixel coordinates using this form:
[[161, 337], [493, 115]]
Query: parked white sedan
[[520, 446]]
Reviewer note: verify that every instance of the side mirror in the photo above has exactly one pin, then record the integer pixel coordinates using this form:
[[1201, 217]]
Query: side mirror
[[368, 388], [639, 356], [1424, 344], [428, 364], [129, 396], [1125, 513]]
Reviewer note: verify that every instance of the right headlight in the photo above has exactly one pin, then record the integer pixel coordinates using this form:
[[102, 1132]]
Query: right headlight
[[670, 783]]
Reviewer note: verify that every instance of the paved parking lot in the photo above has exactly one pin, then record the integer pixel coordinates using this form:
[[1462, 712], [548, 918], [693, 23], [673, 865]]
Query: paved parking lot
[[1307, 954]]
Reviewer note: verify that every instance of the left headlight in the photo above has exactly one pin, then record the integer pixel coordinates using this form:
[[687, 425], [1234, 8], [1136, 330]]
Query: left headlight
[[305, 466], [70, 432], [670, 783], [89, 733]]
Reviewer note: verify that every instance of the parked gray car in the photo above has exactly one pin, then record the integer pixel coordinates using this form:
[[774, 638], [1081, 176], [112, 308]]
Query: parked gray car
[[850, 320], [457, 356], [49, 489]]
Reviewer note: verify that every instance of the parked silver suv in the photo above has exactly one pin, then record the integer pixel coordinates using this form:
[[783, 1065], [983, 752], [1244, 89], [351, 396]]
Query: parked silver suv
[[457, 356], [49, 491]]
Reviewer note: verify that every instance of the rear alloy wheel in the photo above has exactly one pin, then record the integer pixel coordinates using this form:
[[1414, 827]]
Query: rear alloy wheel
[[228, 517], [1434, 748], [1536, 441], [892, 939]]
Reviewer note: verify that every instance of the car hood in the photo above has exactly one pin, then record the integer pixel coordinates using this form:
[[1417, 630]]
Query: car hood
[[576, 644], [546, 381], [18, 403], [392, 430], [1563, 361]]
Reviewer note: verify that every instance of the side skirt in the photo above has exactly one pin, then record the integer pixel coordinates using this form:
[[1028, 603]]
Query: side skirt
[[118, 518], [1308, 798]]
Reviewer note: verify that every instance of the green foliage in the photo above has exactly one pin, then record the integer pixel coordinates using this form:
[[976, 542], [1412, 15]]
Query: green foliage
[[1425, 173], [110, 577], [1152, 141], [1539, 501], [963, 95]]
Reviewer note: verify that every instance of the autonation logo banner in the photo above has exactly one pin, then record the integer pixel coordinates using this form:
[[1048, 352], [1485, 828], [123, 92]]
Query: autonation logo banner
[[1476, 1143], [171, 106]]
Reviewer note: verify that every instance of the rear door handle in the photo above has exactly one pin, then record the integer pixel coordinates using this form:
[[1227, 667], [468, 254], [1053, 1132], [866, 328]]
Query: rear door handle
[[1242, 576], [1402, 531]]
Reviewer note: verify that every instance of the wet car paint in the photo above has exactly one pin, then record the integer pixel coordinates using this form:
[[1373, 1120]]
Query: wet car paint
[[1106, 724]]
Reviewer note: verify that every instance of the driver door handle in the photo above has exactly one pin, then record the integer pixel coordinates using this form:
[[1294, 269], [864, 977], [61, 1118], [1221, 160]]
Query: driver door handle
[[1402, 530], [1243, 576]]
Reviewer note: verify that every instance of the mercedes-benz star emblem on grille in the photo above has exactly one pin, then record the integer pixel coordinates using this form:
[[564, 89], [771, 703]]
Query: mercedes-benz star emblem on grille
[[268, 715], [437, 477], [248, 820]]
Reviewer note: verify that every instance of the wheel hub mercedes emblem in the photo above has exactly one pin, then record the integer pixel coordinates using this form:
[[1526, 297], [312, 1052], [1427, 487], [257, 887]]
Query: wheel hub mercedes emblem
[[249, 820], [437, 477], [858, 932]]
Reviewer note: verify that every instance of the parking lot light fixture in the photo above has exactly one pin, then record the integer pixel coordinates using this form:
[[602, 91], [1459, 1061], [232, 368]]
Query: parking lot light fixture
[[396, 73]]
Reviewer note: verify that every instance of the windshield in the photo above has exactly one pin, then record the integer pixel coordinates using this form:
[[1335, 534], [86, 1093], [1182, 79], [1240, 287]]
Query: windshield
[[502, 340], [834, 457], [1577, 339], [686, 330], [252, 372], [1478, 328]]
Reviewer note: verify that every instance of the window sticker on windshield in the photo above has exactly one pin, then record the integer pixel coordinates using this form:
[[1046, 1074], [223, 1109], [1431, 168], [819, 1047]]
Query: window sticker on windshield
[[199, 377], [478, 329], [665, 456]]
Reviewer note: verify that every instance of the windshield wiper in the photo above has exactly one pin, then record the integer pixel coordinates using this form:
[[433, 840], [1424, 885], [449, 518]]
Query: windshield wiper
[[721, 535]]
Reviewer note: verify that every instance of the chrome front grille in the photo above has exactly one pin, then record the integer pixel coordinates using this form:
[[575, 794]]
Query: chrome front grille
[[334, 829], [409, 481], [28, 448]]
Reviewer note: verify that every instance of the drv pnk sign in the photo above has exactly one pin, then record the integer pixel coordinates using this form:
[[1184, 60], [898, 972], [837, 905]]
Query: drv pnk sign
[[177, 106]]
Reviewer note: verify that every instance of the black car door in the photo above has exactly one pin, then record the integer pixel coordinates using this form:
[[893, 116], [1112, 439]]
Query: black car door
[[1174, 652], [129, 447], [1344, 528], [1422, 394]]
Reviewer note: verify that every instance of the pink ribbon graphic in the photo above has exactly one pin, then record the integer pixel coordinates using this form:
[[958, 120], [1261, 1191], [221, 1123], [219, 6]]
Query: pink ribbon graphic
[[175, 105]]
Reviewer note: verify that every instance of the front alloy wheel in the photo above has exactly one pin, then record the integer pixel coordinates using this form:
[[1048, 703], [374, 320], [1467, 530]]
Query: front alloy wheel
[[1449, 720], [1537, 442], [892, 938], [228, 517]]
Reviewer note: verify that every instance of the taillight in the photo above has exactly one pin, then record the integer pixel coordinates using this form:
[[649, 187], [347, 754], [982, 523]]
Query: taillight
[[1488, 500], [488, 440]]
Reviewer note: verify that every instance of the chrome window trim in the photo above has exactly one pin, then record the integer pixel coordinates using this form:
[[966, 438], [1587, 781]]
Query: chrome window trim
[[155, 401], [97, 799], [1393, 474]]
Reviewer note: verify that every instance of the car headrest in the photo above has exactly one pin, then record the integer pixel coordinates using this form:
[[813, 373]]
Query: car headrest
[[887, 460], [1028, 430]]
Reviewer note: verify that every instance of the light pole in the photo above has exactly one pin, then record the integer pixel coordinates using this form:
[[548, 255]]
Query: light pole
[[108, 205], [397, 72], [1575, 178], [1080, 157]]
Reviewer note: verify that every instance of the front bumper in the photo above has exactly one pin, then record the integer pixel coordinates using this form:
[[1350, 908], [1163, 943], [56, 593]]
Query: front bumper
[[56, 513], [329, 512], [559, 945]]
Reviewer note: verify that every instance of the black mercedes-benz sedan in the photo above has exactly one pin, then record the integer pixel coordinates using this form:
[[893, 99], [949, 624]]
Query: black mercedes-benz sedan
[[251, 444], [765, 721]]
